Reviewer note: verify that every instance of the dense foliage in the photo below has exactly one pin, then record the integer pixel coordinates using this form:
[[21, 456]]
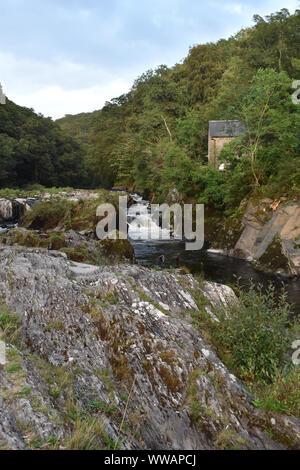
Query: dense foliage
[[254, 337], [155, 137], [34, 149]]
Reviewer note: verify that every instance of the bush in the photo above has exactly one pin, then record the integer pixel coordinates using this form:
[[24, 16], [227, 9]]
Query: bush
[[283, 395], [254, 336]]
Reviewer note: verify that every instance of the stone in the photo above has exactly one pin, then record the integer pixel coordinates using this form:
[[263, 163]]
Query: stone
[[260, 233], [93, 336]]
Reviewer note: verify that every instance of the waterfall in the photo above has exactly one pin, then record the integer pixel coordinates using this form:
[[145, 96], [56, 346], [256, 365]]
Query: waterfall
[[19, 208], [12, 210], [6, 209], [141, 225]]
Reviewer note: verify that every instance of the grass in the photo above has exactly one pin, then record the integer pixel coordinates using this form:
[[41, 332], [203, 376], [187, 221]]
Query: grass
[[9, 323], [282, 395], [102, 406], [12, 368], [24, 392], [81, 215], [228, 439], [87, 434]]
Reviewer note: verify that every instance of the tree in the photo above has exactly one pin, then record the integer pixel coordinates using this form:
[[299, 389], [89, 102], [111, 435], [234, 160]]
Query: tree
[[271, 126]]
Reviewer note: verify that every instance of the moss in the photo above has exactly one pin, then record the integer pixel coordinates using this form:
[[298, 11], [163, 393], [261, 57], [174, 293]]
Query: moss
[[273, 259], [118, 248], [170, 379], [228, 439], [169, 357], [197, 412], [67, 214], [30, 238]]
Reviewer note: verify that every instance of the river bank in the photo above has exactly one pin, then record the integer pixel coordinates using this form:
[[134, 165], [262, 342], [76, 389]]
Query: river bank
[[223, 262]]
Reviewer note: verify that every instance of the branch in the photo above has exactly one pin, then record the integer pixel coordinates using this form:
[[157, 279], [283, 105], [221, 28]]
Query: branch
[[168, 130]]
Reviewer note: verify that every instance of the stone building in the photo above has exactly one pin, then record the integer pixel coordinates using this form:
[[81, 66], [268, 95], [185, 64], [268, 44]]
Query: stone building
[[219, 134]]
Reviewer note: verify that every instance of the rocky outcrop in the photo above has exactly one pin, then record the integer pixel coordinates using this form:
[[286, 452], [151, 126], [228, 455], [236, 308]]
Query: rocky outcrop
[[84, 341], [79, 246], [271, 237], [12, 210]]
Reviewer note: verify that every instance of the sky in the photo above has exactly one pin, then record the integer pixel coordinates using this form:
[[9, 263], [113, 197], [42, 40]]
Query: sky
[[70, 56]]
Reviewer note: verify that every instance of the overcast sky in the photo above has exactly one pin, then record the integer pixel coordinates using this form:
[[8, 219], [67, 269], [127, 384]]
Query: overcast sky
[[69, 56]]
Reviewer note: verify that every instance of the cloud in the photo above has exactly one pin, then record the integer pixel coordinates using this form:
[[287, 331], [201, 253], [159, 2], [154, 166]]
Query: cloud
[[54, 101], [68, 56], [59, 87], [236, 8]]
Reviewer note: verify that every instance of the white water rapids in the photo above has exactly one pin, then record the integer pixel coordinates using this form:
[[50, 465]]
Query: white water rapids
[[142, 224]]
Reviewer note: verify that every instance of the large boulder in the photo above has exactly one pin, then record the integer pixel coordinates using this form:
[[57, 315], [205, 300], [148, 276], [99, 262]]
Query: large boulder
[[271, 238]]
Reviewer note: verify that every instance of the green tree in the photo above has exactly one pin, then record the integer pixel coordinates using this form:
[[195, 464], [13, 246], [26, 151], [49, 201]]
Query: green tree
[[271, 126]]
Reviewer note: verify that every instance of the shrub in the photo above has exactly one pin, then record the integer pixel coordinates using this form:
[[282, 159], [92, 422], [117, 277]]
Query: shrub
[[283, 395], [254, 336]]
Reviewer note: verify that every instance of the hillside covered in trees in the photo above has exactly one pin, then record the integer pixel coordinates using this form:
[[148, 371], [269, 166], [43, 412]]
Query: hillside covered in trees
[[155, 137], [33, 149]]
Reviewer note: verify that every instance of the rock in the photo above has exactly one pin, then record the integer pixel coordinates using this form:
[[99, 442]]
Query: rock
[[117, 248], [77, 246], [174, 196], [12, 210], [6, 209], [271, 238], [81, 269], [87, 336]]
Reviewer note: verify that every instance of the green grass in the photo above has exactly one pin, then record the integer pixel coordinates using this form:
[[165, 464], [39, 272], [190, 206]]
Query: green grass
[[9, 322], [101, 406], [12, 368]]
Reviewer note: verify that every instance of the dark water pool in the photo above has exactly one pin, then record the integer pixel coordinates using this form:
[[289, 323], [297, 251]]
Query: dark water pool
[[212, 266]]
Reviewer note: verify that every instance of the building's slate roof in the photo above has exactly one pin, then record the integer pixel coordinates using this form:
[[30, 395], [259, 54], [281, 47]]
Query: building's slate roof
[[225, 128]]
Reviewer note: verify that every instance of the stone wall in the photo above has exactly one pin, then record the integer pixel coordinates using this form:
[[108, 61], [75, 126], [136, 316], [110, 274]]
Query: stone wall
[[215, 145]]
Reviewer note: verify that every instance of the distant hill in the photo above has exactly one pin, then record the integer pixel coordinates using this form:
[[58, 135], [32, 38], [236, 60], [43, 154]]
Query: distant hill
[[35, 150], [80, 125]]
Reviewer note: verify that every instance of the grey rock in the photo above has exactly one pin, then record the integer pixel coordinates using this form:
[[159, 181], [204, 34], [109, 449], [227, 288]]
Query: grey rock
[[262, 225], [92, 335]]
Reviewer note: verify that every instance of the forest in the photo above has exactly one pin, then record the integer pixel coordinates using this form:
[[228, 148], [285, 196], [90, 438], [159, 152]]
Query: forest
[[34, 150], [154, 138]]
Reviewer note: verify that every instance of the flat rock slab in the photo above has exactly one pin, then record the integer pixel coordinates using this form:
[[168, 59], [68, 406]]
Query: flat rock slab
[[82, 269]]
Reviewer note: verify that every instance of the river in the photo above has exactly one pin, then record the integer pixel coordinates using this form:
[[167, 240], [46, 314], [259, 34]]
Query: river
[[213, 266], [172, 253]]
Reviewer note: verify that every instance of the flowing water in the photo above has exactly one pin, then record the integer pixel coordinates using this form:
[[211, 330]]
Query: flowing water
[[213, 266]]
